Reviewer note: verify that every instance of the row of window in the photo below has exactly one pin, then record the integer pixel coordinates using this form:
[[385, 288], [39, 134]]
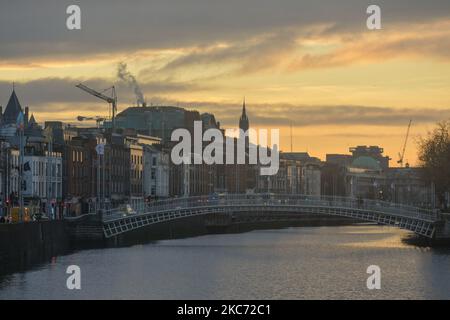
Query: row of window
[[77, 156], [40, 189], [136, 174], [136, 159], [136, 188], [41, 168], [79, 171]]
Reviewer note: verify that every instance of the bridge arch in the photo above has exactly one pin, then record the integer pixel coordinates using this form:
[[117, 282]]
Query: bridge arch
[[418, 220]]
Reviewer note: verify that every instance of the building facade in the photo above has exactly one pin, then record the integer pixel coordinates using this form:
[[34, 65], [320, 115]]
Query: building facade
[[156, 173]]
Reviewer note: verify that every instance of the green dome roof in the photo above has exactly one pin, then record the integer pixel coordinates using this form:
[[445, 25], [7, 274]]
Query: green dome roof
[[365, 162]]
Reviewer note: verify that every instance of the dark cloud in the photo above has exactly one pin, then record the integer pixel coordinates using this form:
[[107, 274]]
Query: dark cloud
[[63, 91], [32, 29], [53, 95], [50, 91], [271, 115], [255, 55]]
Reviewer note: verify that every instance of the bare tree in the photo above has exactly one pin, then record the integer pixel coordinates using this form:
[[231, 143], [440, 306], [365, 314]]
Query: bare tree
[[434, 157]]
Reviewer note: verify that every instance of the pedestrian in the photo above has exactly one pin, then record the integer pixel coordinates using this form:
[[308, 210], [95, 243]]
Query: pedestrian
[[2, 219]]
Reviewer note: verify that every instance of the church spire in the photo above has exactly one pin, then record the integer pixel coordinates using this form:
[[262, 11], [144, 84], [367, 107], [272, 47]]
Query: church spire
[[243, 121], [12, 110]]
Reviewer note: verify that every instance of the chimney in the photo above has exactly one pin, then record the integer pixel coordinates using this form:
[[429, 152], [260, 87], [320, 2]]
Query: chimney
[[26, 115]]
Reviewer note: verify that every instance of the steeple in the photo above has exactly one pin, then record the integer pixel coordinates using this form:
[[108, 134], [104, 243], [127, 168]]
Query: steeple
[[32, 120], [12, 110], [243, 121]]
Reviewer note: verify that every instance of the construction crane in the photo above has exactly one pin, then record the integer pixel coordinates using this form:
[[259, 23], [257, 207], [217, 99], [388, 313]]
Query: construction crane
[[112, 100], [402, 155], [96, 119]]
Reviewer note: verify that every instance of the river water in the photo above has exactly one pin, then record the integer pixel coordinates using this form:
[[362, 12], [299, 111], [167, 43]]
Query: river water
[[295, 263]]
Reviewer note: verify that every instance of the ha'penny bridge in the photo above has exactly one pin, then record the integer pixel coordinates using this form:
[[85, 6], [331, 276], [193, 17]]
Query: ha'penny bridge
[[424, 222]]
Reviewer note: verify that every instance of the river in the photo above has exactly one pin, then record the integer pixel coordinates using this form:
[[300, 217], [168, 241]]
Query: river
[[294, 263]]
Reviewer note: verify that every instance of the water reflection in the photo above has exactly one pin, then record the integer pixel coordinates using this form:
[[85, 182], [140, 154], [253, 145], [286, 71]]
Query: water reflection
[[296, 263]]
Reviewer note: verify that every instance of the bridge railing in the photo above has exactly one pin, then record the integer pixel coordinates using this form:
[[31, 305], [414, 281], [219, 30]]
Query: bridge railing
[[276, 200]]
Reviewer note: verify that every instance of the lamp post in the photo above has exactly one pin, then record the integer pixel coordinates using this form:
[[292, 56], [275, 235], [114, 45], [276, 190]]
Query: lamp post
[[100, 148], [20, 129]]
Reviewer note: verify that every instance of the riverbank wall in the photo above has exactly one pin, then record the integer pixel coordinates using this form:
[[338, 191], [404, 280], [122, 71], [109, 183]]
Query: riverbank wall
[[23, 244]]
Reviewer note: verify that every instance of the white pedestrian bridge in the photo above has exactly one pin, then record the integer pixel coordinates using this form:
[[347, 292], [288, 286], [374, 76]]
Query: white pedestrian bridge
[[418, 220]]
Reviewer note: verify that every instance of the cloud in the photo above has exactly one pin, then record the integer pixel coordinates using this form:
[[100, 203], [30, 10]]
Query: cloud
[[293, 50], [36, 30], [255, 54], [59, 98], [430, 40], [63, 91], [272, 115]]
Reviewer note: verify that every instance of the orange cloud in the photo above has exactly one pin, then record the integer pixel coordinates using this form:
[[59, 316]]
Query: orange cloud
[[403, 41]]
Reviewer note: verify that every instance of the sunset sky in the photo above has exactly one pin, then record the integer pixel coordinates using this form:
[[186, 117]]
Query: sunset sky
[[310, 63]]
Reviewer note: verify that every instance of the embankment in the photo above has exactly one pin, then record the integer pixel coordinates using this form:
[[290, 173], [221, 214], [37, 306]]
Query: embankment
[[24, 244]]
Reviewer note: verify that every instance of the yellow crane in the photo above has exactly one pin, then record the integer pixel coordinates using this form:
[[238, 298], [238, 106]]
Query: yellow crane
[[112, 100], [402, 154]]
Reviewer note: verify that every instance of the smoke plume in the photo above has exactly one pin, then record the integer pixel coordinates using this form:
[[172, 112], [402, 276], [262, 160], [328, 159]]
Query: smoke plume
[[131, 81]]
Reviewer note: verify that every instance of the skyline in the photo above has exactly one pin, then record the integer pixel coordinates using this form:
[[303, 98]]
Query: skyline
[[339, 84]]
